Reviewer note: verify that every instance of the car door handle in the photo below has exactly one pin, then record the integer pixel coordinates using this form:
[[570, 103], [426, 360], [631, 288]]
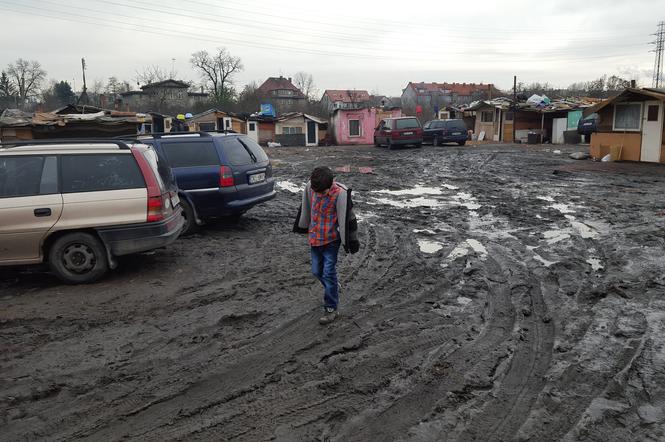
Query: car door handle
[[43, 212]]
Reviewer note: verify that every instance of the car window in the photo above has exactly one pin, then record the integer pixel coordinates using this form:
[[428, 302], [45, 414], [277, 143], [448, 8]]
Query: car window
[[430, 124], [457, 125], [49, 182], [190, 153], [99, 172], [440, 125], [236, 154], [257, 150], [20, 176], [160, 168], [407, 123]]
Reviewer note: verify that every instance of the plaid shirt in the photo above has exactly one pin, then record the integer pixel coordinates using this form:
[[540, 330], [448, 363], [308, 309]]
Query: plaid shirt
[[323, 220]]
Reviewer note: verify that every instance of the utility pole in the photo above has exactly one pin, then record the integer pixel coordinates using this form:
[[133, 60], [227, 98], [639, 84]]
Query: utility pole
[[83, 99], [660, 48], [514, 105]]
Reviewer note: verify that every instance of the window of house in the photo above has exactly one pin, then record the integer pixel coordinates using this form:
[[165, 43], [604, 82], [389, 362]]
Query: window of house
[[204, 127], [627, 116], [487, 117], [354, 128], [510, 116], [252, 127], [287, 130], [652, 112]]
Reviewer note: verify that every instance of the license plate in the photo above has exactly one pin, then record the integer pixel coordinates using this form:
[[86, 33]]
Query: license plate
[[175, 200], [586, 124], [457, 133], [407, 133], [257, 178]]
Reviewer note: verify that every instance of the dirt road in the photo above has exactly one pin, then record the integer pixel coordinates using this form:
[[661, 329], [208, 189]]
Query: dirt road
[[500, 293]]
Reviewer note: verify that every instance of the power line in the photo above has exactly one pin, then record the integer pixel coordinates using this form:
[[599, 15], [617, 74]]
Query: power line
[[660, 48], [139, 27]]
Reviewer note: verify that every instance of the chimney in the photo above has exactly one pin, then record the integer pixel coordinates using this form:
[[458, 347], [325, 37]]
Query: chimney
[[633, 84], [289, 79]]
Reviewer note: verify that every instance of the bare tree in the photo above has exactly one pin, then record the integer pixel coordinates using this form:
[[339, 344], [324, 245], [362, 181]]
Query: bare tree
[[217, 70], [153, 74], [305, 82], [27, 77], [7, 89]]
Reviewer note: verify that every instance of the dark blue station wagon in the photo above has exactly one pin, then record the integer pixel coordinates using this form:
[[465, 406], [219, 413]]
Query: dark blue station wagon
[[218, 175]]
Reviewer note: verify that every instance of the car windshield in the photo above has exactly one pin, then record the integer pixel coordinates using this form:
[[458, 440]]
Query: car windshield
[[406, 123]]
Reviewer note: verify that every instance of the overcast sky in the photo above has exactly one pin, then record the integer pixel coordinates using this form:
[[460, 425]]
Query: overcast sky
[[344, 44]]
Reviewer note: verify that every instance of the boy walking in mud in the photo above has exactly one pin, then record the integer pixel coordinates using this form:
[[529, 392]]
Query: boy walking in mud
[[326, 215]]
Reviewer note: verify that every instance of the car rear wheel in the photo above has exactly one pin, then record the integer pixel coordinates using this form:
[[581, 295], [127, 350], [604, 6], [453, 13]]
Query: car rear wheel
[[461, 143], [419, 144], [436, 141], [78, 258], [376, 143], [190, 220], [389, 144]]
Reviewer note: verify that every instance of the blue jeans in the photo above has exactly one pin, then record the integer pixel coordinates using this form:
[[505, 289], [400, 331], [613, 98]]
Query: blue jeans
[[324, 267]]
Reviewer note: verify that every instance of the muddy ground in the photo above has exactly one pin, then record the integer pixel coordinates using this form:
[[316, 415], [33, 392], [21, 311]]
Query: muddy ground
[[500, 293]]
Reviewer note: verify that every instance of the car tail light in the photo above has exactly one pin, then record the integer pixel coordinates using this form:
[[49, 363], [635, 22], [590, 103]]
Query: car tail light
[[225, 177], [155, 208]]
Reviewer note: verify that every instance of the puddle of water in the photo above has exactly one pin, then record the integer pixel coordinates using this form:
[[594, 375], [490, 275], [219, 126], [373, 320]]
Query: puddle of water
[[477, 247], [428, 231], [584, 230], [542, 260], [450, 187], [427, 246], [463, 300], [554, 236], [563, 208], [288, 185], [595, 264], [364, 216], [458, 252], [467, 200], [417, 190], [415, 202], [546, 198]]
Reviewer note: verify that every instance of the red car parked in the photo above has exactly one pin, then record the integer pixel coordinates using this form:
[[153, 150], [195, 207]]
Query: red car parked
[[401, 131]]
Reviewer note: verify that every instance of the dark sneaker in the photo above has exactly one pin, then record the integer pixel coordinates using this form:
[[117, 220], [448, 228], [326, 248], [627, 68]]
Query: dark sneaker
[[329, 316]]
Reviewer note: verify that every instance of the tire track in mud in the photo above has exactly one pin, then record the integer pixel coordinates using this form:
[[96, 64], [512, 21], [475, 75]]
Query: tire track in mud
[[410, 409], [501, 416]]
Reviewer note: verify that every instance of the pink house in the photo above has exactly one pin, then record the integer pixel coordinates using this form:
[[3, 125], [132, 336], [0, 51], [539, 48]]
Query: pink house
[[356, 126]]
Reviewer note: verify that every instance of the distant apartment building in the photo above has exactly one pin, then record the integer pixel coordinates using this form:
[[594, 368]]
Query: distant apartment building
[[282, 94], [344, 99]]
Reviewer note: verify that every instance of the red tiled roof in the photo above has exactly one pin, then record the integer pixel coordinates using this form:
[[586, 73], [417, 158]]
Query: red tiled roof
[[347, 96], [277, 83], [462, 89]]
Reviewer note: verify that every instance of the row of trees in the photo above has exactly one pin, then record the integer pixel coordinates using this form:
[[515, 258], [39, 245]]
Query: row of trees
[[23, 82]]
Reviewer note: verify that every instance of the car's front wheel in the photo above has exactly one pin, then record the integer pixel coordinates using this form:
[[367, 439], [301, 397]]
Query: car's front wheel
[[461, 143], [376, 143], [435, 141], [78, 258]]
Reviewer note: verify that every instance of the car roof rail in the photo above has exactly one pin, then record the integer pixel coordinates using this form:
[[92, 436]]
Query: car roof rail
[[157, 135], [54, 142]]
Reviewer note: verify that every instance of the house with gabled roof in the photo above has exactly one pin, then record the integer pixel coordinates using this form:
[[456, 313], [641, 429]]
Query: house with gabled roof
[[333, 99], [162, 95], [282, 94]]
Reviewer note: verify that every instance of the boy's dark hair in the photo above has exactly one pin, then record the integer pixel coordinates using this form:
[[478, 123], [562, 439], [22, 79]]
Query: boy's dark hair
[[321, 179]]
